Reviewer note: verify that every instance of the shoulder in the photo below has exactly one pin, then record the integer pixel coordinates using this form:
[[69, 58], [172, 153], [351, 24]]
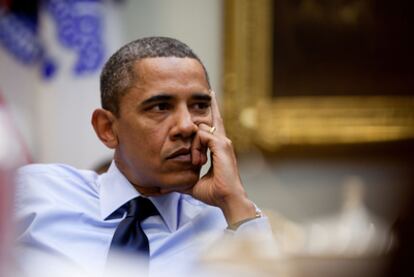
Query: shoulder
[[61, 170], [54, 182], [52, 175]]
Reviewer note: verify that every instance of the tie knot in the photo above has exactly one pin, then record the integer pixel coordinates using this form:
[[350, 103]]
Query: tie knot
[[141, 208]]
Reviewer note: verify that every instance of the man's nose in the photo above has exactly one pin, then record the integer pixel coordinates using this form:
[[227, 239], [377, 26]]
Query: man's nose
[[184, 125]]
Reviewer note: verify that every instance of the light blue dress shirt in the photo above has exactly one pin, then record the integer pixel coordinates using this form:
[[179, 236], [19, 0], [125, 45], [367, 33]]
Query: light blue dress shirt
[[71, 215]]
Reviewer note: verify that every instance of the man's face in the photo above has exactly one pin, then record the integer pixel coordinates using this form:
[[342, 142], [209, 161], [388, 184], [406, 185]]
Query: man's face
[[158, 119]]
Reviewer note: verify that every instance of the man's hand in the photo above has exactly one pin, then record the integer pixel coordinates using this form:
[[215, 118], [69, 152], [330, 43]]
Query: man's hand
[[221, 186]]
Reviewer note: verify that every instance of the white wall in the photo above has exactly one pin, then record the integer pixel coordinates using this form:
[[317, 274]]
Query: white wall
[[197, 23]]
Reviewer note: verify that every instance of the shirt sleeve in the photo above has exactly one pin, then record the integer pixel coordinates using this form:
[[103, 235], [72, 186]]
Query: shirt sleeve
[[259, 225]]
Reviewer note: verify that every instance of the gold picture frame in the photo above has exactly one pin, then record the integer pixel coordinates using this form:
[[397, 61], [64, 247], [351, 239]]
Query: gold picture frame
[[254, 117]]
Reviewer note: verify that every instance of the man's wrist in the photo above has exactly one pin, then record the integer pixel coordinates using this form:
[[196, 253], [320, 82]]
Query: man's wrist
[[236, 225], [238, 209]]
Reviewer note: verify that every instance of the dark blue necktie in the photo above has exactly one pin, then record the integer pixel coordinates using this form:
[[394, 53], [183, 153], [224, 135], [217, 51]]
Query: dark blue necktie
[[129, 236]]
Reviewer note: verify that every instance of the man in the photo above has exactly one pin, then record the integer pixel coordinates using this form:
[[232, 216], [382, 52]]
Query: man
[[160, 116]]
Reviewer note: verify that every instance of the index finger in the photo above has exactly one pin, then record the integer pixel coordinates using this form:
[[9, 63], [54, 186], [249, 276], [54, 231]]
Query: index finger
[[216, 117]]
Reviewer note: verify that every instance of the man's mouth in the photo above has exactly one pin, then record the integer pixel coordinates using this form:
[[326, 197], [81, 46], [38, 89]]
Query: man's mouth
[[181, 155]]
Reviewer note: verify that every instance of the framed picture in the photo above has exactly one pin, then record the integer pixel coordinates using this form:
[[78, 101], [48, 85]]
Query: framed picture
[[315, 72]]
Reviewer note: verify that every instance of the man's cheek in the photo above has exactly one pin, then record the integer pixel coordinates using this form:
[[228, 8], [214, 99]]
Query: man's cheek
[[205, 119]]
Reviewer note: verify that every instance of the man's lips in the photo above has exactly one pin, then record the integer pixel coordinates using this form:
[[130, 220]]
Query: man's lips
[[182, 155]]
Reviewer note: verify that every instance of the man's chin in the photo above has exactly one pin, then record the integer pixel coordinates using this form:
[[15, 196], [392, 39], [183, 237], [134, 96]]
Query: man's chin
[[158, 191], [181, 182]]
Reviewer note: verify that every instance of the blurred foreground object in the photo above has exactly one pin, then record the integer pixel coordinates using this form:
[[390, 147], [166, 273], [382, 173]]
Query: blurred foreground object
[[354, 232], [11, 156], [351, 243]]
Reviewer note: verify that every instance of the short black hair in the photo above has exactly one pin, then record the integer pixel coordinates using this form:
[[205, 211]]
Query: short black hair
[[118, 73]]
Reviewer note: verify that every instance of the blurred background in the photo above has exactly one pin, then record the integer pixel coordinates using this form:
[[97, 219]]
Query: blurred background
[[51, 53]]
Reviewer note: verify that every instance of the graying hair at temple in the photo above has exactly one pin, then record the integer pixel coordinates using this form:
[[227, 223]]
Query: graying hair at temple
[[118, 75]]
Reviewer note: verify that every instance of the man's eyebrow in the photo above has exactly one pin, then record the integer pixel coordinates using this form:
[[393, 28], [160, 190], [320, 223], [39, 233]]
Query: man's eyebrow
[[201, 96], [167, 97], [157, 98]]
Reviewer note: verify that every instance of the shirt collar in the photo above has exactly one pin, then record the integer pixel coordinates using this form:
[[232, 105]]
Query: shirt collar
[[116, 190]]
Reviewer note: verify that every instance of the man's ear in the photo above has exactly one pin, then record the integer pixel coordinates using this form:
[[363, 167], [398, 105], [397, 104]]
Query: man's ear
[[104, 123]]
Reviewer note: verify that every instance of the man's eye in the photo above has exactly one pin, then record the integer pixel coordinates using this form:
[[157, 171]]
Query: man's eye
[[201, 106], [161, 107]]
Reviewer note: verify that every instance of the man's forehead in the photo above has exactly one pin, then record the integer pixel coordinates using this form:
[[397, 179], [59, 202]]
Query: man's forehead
[[168, 64], [167, 73]]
